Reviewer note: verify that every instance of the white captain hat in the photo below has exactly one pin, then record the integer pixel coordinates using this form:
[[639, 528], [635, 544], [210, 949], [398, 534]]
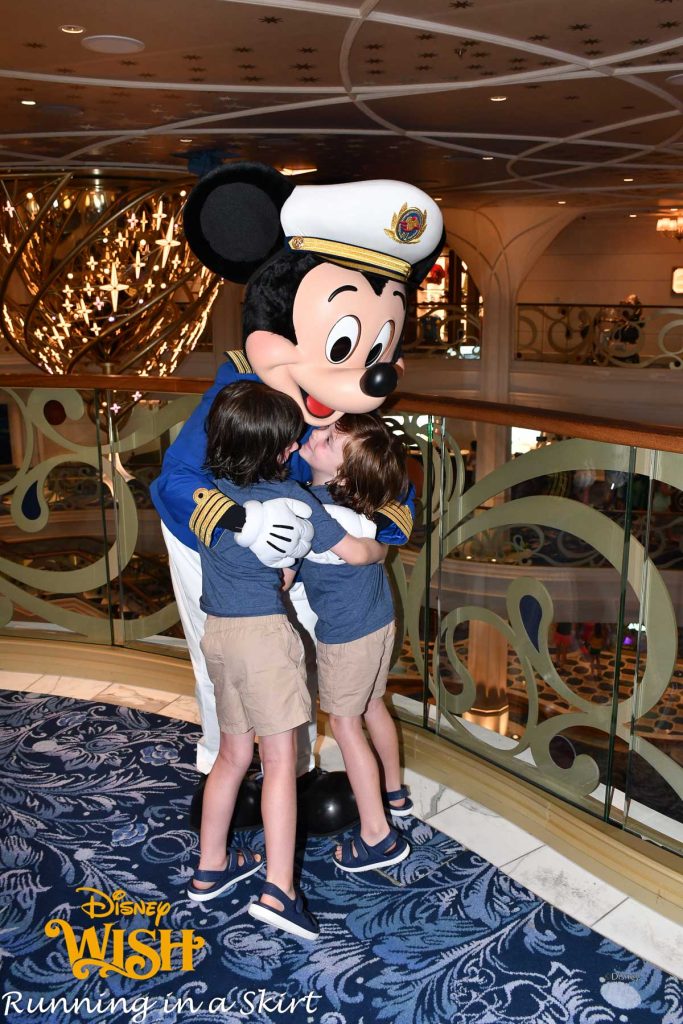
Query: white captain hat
[[383, 226], [241, 214]]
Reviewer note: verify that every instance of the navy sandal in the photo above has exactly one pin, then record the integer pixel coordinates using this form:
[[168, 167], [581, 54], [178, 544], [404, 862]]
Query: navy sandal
[[357, 855], [222, 880], [292, 918], [398, 794]]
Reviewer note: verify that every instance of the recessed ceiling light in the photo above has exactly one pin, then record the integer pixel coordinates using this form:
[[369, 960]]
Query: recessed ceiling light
[[674, 209], [628, 179], [112, 44], [186, 140], [561, 202], [633, 216], [438, 199], [28, 103], [497, 99], [72, 30], [487, 158]]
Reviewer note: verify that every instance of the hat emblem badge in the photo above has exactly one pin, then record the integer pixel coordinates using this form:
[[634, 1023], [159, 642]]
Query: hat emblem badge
[[408, 225]]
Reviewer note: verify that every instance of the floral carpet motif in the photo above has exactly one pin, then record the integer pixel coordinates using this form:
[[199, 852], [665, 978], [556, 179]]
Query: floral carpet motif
[[97, 796]]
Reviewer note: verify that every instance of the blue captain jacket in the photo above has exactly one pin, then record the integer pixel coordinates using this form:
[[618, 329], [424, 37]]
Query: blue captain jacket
[[183, 482]]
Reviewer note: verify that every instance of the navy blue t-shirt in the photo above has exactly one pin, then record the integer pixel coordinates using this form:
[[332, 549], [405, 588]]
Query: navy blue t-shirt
[[350, 601], [182, 472], [234, 582]]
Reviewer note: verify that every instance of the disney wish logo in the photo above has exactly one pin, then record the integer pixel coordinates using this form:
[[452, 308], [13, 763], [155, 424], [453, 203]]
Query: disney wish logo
[[139, 953]]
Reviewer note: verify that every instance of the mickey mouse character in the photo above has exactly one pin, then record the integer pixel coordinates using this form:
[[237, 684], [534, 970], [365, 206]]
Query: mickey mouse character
[[327, 269]]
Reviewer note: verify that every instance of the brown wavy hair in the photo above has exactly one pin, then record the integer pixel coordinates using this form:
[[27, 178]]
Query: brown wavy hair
[[248, 428], [373, 471]]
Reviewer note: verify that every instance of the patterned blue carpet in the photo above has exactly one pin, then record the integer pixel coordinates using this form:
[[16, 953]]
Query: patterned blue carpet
[[96, 796]]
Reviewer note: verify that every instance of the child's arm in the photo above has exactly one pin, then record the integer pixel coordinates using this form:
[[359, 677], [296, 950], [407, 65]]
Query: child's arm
[[357, 547], [360, 550]]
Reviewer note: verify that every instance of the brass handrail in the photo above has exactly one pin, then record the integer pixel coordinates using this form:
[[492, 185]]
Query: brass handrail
[[593, 428]]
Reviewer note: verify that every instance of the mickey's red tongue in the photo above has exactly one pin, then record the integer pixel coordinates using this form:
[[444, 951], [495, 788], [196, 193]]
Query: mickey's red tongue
[[317, 409]]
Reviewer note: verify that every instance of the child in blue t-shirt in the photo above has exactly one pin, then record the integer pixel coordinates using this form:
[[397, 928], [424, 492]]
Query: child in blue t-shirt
[[358, 464], [254, 657]]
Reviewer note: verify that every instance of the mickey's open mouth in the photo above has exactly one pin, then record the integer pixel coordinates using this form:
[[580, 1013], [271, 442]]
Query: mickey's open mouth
[[315, 407]]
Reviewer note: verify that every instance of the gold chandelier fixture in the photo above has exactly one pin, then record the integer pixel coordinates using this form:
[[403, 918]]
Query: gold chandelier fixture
[[96, 276]]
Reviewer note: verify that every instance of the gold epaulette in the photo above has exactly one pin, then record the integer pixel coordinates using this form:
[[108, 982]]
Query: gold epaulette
[[212, 505], [240, 361], [399, 514]]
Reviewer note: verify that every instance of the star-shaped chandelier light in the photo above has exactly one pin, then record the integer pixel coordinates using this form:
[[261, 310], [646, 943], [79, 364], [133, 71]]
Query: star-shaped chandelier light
[[96, 276]]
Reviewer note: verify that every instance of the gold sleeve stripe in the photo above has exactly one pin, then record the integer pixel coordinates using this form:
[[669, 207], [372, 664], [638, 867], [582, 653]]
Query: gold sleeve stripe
[[212, 505], [399, 514], [240, 361]]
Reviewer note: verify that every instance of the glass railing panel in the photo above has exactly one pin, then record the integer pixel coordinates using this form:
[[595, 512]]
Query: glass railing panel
[[539, 604], [414, 622], [613, 334], [141, 426], [57, 534], [529, 570], [648, 772], [444, 329]]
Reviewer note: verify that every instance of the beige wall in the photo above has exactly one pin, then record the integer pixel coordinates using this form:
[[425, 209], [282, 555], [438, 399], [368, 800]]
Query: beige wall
[[600, 258]]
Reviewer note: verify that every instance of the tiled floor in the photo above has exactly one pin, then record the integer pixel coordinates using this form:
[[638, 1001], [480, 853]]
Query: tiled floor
[[541, 869]]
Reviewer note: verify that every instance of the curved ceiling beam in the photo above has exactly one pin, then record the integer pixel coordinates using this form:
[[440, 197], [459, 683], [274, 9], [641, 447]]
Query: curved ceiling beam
[[212, 119], [572, 67], [577, 67]]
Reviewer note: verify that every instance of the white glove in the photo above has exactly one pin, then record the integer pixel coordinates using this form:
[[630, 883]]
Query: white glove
[[277, 531], [355, 524]]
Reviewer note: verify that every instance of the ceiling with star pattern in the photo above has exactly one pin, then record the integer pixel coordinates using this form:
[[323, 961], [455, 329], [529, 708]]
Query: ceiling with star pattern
[[579, 102]]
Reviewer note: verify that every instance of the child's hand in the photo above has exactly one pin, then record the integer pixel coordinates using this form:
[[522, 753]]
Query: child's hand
[[288, 577]]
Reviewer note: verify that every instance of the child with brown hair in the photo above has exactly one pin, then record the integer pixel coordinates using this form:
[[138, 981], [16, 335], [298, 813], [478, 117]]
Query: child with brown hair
[[358, 464], [254, 657]]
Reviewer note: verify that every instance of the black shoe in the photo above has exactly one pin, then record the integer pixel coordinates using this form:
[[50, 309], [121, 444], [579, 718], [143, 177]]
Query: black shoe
[[247, 812], [325, 803], [305, 780]]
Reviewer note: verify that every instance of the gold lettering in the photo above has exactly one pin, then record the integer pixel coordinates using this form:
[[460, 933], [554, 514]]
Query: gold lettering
[[135, 964], [95, 908], [162, 911], [189, 944], [120, 903], [96, 949], [133, 955]]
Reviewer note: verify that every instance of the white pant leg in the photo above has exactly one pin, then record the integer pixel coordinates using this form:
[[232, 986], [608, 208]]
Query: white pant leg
[[186, 575], [307, 733]]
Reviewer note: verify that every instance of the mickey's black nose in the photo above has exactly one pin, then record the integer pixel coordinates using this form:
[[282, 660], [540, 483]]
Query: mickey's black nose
[[379, 381]]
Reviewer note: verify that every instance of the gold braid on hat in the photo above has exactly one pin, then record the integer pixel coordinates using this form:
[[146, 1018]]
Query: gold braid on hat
[[353, 256]]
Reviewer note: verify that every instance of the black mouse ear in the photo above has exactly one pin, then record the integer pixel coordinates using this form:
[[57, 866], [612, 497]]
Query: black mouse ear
[[232, 218], [422, 267]]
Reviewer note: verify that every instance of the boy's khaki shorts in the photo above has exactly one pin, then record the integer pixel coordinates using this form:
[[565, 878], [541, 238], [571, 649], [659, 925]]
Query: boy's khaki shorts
[[258, 671], [351, 675]]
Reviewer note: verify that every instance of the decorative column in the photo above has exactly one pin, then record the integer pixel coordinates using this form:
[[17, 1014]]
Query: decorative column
[[499, 244], [487, 662]]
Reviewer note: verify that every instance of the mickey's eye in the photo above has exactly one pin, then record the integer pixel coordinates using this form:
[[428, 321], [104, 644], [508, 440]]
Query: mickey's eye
[[342, 339], [382, 343]]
